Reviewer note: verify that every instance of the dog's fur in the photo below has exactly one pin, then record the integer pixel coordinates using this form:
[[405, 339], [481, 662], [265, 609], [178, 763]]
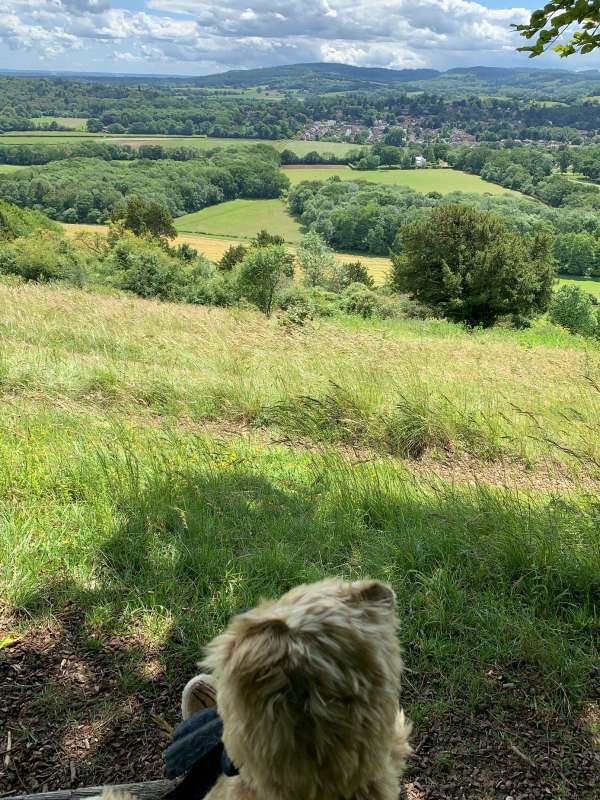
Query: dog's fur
[[308, 687]]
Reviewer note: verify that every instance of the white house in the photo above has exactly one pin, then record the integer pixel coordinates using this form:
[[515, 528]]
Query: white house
[[420, 161]]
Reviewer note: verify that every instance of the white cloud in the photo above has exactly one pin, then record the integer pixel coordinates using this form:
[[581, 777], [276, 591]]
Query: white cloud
[[220, 34]]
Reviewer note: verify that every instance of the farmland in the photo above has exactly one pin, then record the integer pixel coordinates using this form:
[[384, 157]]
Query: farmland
[[422, 180], [301, 148], [243, 219]]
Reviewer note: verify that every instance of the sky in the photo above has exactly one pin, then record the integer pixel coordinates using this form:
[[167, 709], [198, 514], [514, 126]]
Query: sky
[[199, 37]]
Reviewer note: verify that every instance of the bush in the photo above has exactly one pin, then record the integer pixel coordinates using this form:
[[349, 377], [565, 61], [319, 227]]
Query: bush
[[16, 222], [315, 259], [232, 256], [472, 268], [145, 218], [573, 309], [359, 299], [144, 268], [262, 273], [45, 256], [350, 272]]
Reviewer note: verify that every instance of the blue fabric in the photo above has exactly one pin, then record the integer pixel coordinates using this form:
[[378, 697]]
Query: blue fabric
[[197, 751]]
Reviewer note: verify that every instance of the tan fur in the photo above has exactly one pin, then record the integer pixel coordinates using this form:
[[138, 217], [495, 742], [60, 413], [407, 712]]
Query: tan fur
[[308, 688]]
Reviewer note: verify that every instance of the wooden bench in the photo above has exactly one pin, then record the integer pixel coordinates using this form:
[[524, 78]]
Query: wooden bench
[[152, 790]]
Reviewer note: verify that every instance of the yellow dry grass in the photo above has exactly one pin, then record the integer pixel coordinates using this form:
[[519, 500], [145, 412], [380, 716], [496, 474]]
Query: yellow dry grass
[[214, 247]]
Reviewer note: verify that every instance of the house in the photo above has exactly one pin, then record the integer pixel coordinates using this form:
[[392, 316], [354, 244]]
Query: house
[[420, 161]]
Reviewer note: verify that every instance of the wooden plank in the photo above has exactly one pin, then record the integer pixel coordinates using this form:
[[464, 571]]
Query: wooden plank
[[152, 790]]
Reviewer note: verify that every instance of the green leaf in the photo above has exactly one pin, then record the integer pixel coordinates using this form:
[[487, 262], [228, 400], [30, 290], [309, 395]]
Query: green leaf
[[9, 641]]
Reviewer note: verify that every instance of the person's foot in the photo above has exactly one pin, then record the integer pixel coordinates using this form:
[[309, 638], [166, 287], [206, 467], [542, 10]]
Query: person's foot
[[197, 694]]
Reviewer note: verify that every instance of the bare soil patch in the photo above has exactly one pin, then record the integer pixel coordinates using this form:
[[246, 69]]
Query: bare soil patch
[[81, 710]]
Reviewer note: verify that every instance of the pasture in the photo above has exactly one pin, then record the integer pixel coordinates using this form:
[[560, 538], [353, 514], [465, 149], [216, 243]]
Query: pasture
[[242, 218], [590, 285], [421, 180], [301, 148], [164, 466], [9, 168]]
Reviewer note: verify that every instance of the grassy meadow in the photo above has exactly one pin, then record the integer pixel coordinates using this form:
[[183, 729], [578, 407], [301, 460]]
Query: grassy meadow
[[146, 446], [301, 148], [590, 285], [242, 218], [421, 180]]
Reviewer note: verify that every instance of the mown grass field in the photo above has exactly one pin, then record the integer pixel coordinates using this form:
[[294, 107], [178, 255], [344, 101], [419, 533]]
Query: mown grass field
[[9, 168], [422, 180], [590, 285], [199, 142], [163, 466], [74, 123], [242, 218]]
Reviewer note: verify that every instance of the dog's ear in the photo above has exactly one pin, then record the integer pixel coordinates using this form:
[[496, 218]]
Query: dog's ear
[[261, 645], [374, 592]]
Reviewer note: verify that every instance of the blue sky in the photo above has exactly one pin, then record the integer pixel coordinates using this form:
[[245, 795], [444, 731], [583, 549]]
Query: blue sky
[[198, 37]]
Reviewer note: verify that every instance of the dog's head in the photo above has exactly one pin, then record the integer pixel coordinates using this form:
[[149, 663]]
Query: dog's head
[[308, 686]]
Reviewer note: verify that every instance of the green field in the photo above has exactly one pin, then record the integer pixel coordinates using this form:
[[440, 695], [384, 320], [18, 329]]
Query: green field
[[9, 168], [242, 218], [201, 142], [590, 285], [73, 123], [163, 466], [422, 180]]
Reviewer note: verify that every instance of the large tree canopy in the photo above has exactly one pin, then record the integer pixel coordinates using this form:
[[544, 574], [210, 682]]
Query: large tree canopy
[[578, 19]]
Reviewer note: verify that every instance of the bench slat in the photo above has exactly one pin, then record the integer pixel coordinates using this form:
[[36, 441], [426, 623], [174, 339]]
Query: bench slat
[[152, 790]]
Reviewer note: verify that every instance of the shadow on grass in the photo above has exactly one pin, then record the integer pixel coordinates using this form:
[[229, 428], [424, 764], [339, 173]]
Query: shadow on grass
[[497, 594]]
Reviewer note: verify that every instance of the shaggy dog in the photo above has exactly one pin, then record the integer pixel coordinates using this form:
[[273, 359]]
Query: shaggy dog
[[307, 687]]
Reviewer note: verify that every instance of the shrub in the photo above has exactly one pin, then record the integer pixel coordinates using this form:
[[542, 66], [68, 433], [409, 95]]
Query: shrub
[[144, 268], [232, 256], [359, 299], [348, 273], [16, 222], [46, 256], [315, 259], [144, 218], [573, 309], [471, 267], [262, 272]]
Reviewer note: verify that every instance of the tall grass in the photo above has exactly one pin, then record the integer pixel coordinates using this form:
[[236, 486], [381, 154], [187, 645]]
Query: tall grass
[[114, 500], [170, 533], [404, 388]]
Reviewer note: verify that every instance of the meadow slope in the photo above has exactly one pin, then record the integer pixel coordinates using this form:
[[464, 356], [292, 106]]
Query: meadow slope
[[163, 466]]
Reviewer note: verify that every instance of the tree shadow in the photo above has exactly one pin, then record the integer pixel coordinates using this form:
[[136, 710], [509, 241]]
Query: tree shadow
[[196, 545]]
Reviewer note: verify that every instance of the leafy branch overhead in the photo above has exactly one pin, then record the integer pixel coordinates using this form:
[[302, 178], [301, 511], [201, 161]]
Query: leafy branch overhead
[[548, 26]]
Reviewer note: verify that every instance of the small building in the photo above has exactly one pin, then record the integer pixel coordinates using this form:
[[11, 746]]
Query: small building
[[420, 162]]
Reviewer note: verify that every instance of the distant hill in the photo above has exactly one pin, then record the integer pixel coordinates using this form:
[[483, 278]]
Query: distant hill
[[325, 77], [317, 76]]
